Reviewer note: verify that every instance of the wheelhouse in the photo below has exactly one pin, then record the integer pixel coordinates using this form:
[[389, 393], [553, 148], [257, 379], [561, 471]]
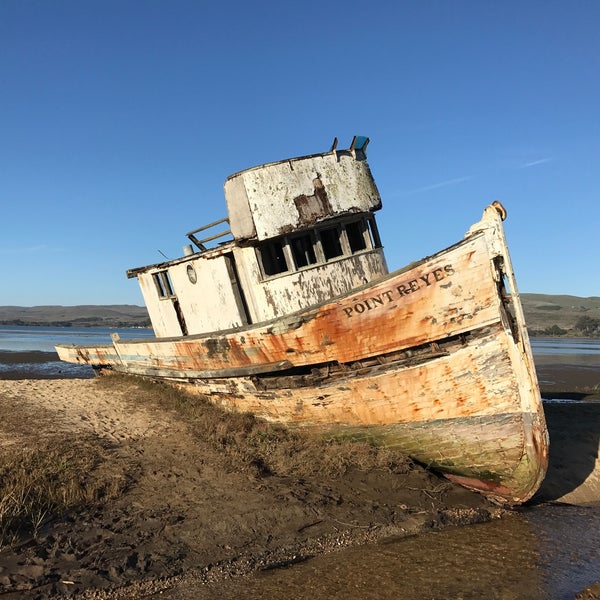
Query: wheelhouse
[[299, 232]]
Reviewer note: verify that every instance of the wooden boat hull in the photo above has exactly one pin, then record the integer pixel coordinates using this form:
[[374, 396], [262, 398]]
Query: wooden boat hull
[[433, 359], [448, 412]]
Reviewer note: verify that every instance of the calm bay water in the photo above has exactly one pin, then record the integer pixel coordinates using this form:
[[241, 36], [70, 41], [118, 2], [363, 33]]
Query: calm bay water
[[42, 339], [547, 551], [566, 346], [569, 352], [29, 350]]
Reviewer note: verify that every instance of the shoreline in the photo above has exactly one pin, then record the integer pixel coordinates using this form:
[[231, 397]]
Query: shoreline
[[37, 364], [569, 381], [558, 377], [14, 357]]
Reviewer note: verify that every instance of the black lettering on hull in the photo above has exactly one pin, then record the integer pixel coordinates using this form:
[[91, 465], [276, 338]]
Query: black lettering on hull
[[404, 289]]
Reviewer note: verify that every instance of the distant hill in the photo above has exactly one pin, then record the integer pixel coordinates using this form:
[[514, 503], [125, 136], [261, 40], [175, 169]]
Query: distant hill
[[545, 315], [117, 315], [561, 315]]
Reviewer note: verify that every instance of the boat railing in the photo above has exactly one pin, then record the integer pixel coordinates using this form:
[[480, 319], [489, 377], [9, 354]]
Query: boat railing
[[201, 243]]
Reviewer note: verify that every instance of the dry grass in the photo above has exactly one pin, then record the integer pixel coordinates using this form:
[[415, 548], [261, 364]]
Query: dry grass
[[256, 446], [41, 483]]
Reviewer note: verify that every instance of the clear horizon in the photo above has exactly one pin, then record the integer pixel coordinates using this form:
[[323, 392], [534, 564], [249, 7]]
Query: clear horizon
[[121, 120]]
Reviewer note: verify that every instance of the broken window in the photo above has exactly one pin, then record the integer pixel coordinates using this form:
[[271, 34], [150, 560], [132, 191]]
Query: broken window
[[162, 280], [330, 242], [355, 230], [373, 233], [318, 246], [303, 250], [273, 258]]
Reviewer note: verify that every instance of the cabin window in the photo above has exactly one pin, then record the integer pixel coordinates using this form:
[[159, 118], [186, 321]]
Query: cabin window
[[317, 246], [355, 230], [330, 242], [303, 250], [164, 287], [191, 273], [372, 233], [273, 258]]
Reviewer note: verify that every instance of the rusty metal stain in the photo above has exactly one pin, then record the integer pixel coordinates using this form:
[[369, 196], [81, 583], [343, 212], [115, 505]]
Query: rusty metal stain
[[217, 347], [312, 208]]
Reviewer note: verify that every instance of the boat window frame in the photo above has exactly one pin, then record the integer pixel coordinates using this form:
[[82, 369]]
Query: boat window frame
[[305, 256], [326, 244], [373, 232], [164, 284], [347, 242], [272, 262], [357, 240]]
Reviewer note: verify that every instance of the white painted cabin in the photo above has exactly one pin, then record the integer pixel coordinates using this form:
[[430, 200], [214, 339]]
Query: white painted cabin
[[301, 231]]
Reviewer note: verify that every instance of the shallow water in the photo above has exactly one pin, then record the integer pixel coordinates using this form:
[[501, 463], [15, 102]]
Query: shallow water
[[568, 542], [547, 552], [582, 352], [52, 368], [21, 338], [28, 351], [565, 346]]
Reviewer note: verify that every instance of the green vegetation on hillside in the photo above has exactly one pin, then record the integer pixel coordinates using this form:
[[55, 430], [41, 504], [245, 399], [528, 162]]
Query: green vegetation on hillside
[[76, 316], [562, 315]]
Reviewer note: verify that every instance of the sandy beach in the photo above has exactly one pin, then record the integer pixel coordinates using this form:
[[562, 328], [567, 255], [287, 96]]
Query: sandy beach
[[188, 494]]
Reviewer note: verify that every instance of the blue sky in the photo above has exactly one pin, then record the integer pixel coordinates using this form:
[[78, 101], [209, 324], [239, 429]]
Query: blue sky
[[121, 119]]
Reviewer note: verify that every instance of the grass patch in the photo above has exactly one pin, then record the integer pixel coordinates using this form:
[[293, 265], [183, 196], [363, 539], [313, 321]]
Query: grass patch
[[254, 445], [41, 483]]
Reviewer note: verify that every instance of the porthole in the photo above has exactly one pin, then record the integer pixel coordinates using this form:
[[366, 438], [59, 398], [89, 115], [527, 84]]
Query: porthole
[[191, 273]]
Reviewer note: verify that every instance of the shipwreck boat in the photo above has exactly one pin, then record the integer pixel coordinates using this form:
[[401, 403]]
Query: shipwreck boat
[[290, 313]]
